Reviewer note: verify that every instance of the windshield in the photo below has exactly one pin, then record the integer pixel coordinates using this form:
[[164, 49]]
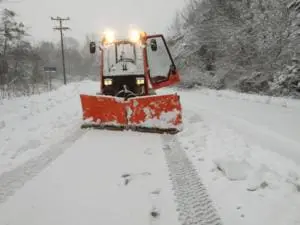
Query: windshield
[[123, 59]]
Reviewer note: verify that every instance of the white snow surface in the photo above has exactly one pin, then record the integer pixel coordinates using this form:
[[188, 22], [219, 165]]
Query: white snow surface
[[30, 125], [86, 185], [246, 149]]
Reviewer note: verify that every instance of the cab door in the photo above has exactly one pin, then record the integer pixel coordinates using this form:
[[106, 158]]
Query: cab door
[[161, 71]]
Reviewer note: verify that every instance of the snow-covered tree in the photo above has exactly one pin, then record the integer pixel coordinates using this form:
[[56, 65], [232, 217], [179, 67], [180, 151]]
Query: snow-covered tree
[[233, 44]]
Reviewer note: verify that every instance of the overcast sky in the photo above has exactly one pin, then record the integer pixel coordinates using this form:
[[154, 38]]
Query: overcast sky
[[88, 16]]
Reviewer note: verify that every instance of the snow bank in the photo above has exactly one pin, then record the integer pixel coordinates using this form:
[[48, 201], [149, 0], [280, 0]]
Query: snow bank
[[228, 94], [29, 125]]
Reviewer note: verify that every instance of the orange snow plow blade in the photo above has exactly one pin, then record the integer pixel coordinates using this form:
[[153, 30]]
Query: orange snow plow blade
[[155, 114], [102, 111]]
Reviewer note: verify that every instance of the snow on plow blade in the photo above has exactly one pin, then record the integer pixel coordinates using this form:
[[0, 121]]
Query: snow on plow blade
[[158, 114]]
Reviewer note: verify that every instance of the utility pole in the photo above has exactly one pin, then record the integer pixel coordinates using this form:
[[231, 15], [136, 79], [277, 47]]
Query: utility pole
[[61, 28]]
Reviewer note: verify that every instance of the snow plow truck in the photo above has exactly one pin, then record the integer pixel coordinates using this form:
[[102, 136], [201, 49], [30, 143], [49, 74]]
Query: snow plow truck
[[130, 71]]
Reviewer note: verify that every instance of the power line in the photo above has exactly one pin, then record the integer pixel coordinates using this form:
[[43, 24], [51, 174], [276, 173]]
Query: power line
[[61, 29]]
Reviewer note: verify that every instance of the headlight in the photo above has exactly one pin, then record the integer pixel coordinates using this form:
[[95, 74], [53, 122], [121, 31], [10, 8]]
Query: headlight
[[140, 81], [109, 36], [107, 82], [134, 35]]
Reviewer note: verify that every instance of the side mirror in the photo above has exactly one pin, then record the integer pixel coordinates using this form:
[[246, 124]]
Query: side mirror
[[153, 45], [92, 47]]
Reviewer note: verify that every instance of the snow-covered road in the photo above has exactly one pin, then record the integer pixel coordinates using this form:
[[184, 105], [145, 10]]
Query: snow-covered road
[[103, 178], [238, 154]]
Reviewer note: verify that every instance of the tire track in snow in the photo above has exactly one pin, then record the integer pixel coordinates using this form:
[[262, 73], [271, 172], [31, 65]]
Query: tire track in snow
[[193, 202], [11, 181]]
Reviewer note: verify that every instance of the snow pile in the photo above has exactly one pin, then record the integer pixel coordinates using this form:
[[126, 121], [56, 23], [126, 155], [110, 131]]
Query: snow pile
[[29, 125]]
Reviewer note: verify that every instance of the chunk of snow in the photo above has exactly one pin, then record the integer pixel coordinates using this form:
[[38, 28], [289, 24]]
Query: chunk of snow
[[233, 169]]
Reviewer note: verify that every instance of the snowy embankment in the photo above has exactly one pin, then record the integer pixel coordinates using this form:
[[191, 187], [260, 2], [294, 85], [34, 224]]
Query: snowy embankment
[[246, 149], [229, 94], [31, 125]]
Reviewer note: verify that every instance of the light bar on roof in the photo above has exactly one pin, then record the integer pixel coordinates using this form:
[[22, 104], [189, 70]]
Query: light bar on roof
[[109, 36]]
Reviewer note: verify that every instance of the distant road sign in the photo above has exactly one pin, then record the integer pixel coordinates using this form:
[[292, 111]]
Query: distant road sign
[[50, 69]]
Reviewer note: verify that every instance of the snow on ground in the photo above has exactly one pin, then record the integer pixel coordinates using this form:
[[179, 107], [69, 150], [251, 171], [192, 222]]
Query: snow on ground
[[267, 125], [229, 94], [248, 154], [246, 149], [30, 125], [98, 181]]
